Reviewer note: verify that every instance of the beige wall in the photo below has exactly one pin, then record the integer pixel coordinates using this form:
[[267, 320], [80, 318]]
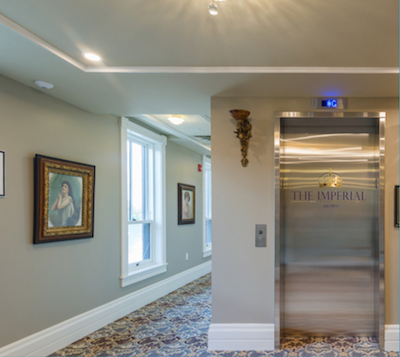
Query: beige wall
[[42, 285], [243, 276]]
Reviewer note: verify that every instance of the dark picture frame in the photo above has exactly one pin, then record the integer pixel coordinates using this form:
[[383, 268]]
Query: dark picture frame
[[396, 206], [63, 200], [186, 203], [2, 174]]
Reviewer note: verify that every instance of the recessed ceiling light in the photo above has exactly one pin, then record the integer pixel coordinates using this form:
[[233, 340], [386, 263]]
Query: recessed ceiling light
[[176, 120], [92, 57], [44, 85]]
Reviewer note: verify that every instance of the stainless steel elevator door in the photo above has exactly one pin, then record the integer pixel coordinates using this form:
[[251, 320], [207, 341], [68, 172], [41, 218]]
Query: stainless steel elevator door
[[329, 170]]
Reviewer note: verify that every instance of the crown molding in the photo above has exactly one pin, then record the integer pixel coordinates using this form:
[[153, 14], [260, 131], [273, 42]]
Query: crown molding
[[40, 42], [190, 69], [206, 118], [243, 70]]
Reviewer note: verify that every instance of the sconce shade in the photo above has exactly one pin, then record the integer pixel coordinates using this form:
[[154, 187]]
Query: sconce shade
[[239, 114]]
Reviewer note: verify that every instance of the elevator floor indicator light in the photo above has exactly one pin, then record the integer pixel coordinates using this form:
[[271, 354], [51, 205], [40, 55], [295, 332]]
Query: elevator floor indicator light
[[330, 103]]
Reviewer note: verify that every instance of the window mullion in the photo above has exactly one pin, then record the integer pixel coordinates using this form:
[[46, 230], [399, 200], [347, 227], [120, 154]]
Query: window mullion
[[141, 222], [207, 238], [145, 182], [129, 175]]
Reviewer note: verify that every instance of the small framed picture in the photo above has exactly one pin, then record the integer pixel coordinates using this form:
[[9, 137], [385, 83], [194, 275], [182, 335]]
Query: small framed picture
[[2, 174], [396, 206], [63, 200], [186, 204]]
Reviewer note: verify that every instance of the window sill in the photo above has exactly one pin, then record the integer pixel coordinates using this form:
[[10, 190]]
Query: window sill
[[143, 274], [207, 253]]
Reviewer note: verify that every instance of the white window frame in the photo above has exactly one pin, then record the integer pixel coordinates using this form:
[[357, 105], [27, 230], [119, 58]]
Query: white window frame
[[133, 273], [207, 247]]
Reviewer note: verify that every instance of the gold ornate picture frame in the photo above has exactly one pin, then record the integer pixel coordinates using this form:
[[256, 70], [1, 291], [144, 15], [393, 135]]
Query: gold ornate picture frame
[[396, 206], [63, 200], [2, 174]]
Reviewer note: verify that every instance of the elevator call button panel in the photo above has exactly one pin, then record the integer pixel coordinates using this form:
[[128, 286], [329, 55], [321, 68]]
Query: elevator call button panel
[[261, 235]]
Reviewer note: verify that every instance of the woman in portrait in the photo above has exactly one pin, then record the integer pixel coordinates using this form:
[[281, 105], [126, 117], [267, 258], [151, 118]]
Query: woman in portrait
[[186, 211], [64, 204]]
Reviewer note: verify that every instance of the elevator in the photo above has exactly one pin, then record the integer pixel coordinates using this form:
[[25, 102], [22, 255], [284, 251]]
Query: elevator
[[329, 234]]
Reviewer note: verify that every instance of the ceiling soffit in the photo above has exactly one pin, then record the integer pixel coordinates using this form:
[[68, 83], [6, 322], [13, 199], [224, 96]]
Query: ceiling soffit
[[156, 60]]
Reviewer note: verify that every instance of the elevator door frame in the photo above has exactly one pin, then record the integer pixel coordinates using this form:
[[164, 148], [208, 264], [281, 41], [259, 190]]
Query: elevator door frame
[[278, 251]]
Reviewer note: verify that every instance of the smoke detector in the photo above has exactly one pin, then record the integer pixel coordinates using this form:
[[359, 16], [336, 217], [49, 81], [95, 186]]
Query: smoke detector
[[44, 85]]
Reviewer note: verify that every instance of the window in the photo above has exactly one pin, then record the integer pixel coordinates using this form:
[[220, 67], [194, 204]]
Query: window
[[142, 203], [140, 216], [207, 241]]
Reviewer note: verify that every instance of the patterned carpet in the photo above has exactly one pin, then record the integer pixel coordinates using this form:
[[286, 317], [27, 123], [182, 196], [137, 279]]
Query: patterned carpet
[[177, 326]]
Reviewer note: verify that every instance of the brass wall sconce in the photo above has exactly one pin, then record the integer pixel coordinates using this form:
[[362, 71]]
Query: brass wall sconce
[[243, 131]]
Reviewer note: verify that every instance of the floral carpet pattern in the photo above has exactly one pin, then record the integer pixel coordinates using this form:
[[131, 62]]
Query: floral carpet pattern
[[177, 326]]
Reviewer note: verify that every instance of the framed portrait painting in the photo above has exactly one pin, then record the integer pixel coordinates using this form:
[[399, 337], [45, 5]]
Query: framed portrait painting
[[2, 174], [396, 206], [186, 204], [63, 200]]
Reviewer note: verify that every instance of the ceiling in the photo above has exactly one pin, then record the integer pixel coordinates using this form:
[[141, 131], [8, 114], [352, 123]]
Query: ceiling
[[170, 57], [194, 133]]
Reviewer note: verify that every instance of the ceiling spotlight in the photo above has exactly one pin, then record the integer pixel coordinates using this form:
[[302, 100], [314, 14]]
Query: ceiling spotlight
[[44, 85], [92, 57], [213, 8], [176, 120]]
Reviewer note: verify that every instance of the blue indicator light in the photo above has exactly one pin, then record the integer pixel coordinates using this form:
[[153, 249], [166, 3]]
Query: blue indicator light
[[330, 103]]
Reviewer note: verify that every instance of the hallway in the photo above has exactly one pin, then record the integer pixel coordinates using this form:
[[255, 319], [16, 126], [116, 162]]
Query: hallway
[[177, 326]]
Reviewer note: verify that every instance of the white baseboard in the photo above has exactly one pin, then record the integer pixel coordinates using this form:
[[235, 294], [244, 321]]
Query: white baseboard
[[392, 338], [241, 337], [260, 337], [58, 336]]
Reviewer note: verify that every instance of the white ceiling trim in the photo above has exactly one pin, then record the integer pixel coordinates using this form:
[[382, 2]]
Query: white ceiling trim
[[190, 70], [206, 117], [244, 70]]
